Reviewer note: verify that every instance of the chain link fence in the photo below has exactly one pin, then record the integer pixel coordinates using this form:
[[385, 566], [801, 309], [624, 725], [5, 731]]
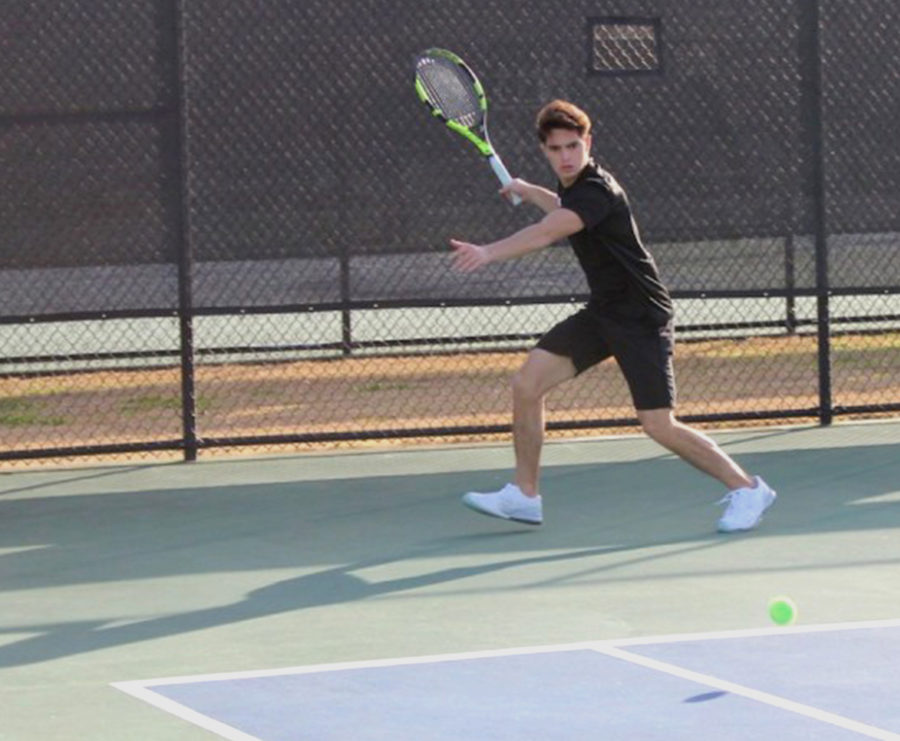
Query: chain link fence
[[226, 224]]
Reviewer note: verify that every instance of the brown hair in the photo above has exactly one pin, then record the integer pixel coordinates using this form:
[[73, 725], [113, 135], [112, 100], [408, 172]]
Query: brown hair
[[560, 114]]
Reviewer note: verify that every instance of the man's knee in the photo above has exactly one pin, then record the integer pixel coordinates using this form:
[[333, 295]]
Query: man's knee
[[526, 385], [658, 424], [541, 372]]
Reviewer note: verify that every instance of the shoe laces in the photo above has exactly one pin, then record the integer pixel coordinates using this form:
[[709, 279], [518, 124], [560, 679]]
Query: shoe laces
[[735, 500], [728, 498]]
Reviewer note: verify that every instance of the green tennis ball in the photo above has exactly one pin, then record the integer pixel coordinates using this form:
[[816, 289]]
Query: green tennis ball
[[782, 610]]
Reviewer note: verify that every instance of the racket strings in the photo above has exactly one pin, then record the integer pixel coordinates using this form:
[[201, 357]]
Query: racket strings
[[451, 91]]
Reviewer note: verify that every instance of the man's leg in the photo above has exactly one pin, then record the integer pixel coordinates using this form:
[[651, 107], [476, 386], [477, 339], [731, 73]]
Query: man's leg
[[748, 498], [520, 501], [541, 372], [693, 446]]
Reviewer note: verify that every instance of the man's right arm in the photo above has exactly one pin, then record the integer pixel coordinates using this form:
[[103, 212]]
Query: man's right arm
[[544, 199]]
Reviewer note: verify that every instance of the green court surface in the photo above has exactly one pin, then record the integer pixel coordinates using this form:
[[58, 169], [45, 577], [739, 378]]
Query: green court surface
[[130, 572]]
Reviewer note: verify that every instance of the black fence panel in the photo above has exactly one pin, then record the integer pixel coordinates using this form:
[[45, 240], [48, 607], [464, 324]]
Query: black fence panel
[[227, 223]]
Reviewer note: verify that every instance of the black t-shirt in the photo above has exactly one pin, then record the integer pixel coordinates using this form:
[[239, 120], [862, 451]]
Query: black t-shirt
[[622, 276]]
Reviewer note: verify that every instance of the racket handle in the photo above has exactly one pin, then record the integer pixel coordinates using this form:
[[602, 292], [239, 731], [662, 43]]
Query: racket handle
[[503, 176]]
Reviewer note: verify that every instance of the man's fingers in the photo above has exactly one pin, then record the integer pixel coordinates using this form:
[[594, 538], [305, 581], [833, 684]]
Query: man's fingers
[[465, 262], [467, 257]]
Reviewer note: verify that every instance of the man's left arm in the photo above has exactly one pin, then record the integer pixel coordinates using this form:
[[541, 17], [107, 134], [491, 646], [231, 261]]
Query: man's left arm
[[554, 226]]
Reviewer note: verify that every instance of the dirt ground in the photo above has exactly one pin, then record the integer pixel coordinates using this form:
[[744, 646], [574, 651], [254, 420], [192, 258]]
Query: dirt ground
[[378, 395]]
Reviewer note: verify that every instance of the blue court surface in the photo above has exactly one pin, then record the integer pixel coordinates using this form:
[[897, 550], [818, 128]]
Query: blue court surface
[[838, 681]]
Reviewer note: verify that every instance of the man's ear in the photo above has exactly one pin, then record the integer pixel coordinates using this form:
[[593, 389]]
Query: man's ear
[[588, 140]]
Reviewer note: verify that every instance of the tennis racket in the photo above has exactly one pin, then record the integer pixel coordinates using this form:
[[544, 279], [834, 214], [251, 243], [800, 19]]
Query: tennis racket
[[447, 85]]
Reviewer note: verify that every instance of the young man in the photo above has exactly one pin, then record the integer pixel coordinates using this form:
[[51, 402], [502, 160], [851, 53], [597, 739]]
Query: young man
[[628, 317]]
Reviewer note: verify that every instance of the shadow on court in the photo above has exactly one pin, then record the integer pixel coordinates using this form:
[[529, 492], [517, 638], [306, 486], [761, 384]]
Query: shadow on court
[[328, 587], [70, 478], [604, 524]]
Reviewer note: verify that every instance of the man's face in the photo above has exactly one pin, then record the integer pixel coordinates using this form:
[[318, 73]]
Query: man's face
[[567, 153]]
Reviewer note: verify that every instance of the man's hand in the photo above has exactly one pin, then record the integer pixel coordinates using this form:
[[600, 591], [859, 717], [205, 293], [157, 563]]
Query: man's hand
[[544, 199], [518, 187], [468, 257], [559, 223]]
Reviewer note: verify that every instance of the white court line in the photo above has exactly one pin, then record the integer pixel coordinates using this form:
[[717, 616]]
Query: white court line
[[752, 632], [738, 689], [143, 689], [521, 651], [185, 713], [349, 665]]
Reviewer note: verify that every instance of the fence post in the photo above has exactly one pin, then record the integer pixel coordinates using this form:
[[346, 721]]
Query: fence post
[[811, 95], [790, 282], [346, 312], [184, 243]]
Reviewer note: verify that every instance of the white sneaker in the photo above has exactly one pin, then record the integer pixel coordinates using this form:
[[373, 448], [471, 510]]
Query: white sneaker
[[508, 504], [746, 507]]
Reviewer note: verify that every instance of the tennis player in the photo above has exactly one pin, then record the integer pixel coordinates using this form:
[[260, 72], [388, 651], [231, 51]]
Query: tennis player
[[628, 317]]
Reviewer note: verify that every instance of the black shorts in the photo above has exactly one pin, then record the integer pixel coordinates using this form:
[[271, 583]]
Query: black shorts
[[643, 352]]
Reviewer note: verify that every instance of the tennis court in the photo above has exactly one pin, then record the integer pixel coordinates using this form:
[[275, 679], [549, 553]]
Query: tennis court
[[351, 596]]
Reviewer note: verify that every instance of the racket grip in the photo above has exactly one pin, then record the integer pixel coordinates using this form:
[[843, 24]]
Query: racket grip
[[503, 176]]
